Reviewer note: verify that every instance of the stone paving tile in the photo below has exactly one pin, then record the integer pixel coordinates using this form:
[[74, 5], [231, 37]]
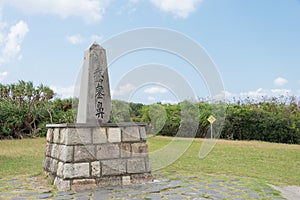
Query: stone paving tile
[[154, 196], [45, 196], [82, 197], [218, 196], [30, 193], [101, 196], [64, 193], [64, 197], [168, 187], [191, 194], [5, 195], [169, 193], [176, 197]]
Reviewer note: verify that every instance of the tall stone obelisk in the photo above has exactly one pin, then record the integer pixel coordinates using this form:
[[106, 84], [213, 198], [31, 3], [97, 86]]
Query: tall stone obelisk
[[94, 100], [94, 152]]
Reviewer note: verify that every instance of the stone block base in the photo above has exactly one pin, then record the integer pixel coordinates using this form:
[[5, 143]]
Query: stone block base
[[82, 156]]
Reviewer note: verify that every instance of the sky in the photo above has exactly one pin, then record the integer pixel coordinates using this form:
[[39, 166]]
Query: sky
[[254, 45]]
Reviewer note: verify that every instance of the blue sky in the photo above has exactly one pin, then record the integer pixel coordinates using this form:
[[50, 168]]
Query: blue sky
[[255, 44]]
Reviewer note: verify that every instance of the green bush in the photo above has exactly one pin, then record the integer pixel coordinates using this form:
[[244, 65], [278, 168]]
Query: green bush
[[268, 121], [271, 121], [25, 110]]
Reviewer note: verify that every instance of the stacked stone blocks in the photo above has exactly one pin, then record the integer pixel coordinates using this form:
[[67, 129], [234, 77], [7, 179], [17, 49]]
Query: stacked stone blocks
[[85, 157]]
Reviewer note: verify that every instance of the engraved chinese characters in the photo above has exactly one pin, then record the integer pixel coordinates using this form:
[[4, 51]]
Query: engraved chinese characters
[[94, 100], [99, 88]]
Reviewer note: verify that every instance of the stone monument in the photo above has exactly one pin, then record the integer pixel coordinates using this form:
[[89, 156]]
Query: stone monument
[[95, 100], [94, 152]]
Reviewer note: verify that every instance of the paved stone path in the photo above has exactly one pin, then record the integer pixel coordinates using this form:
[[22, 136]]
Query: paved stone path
[[177, 187]]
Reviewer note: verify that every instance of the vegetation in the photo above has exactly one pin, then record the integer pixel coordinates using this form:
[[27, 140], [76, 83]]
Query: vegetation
[[275, 163], [22, 157], [272, 120], [268, 121], [26, 109]]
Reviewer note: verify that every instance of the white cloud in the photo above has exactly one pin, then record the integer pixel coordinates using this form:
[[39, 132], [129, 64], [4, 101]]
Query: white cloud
[[3, 24], [134, 1], [228, 94], [123, 90], [255, 94], [179, 8], [151, 98], [3, 76], [90, 10], [75, 39], [96, 38], [279, 92], [280, 82], [221, 96], [169, 102], [128, 8], [155, 90], [10, 43], [63, 92], [259, 94]]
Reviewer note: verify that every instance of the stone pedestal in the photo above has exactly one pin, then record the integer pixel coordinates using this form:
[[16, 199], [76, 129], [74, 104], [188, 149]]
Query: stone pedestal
[[82, 156]]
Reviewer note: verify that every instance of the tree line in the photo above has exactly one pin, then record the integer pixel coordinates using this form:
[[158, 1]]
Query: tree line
[[25, 110]]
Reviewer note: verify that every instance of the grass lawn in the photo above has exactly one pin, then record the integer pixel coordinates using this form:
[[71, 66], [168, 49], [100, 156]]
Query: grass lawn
[[277, 164], [21, 157]]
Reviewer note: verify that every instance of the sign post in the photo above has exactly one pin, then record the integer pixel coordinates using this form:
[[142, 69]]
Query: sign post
[[211, 120]]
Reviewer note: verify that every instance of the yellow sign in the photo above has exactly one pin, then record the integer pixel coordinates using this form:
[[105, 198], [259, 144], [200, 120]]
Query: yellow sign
[[211, 119]]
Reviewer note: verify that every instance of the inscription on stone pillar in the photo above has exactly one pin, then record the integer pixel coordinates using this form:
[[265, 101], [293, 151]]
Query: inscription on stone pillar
[[94, 100]]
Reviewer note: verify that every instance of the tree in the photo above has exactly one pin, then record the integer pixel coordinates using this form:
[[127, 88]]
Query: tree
[[25, 110]]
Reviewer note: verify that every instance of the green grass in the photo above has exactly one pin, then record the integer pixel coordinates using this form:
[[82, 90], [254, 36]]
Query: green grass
[[21, 157], [274, 163], [277, 164]]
